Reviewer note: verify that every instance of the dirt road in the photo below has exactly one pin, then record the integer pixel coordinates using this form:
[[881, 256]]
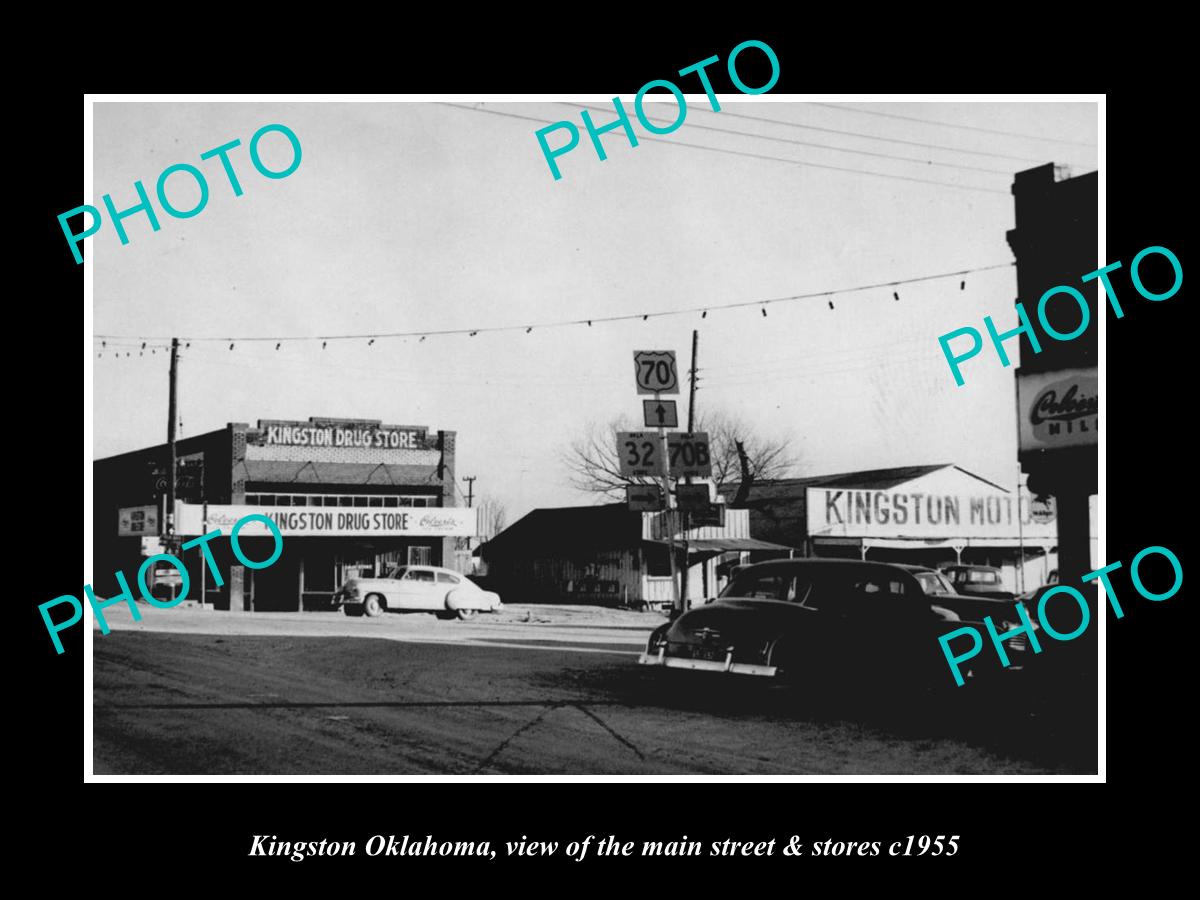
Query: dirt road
[[192, 692]]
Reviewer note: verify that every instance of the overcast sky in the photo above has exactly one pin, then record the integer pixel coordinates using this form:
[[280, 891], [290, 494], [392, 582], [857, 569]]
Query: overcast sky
[[422, 216]]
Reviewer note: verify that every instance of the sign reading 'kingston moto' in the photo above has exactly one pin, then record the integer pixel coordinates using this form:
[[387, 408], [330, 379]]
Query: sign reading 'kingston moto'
[[917, 514]]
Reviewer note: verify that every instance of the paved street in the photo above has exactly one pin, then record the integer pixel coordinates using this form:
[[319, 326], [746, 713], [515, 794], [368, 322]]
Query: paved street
[[531, 690]]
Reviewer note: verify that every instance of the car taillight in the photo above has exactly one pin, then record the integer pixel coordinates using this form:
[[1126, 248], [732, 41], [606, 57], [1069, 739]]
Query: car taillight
[[658, 639]]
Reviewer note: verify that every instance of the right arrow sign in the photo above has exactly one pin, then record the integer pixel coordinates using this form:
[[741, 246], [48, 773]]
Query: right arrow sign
[[660, 414]]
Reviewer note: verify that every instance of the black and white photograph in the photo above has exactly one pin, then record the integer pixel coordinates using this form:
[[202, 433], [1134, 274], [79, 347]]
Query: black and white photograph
[[681, 434]]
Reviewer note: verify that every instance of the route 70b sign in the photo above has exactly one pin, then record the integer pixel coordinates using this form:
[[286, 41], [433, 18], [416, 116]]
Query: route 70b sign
[[688, 454]]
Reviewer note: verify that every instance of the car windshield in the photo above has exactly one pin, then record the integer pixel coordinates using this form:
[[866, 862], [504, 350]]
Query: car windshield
[[762, 586], [397, 572], [982, 576], [934, 583]]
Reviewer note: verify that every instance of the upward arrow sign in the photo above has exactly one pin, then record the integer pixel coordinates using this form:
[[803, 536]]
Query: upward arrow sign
[[659, 413]]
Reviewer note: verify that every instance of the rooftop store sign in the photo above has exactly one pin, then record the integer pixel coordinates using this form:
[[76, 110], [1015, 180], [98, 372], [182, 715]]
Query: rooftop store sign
[[1058, 409], [917, 514], [306, 434], [328, 522]]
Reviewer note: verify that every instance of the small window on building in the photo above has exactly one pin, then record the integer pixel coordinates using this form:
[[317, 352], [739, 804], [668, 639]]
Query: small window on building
[[420, 556], [252, 499], [343, 500], [447, 578], [390, 501], [299, 500], [360, 501], [283, 500], [330, 501], [266, 499], [374, 501], [406, 501], [419, 501]]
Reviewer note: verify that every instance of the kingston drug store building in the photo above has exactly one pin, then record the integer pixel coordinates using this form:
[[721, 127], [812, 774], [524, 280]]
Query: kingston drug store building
[[350, 496]]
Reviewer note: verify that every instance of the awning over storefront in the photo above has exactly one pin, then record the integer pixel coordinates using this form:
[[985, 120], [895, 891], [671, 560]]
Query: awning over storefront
[[721, 545], [949, 543]]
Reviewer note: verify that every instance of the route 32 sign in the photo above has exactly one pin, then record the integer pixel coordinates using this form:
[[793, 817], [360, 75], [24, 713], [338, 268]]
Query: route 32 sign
[[655, 371], [640, 454], [689, 455]]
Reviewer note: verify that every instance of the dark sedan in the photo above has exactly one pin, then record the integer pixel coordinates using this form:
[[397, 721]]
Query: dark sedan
[[806, 620], [969, 607]]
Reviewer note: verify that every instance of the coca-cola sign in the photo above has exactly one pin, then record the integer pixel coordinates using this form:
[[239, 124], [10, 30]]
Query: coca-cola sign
[[1058, 409]]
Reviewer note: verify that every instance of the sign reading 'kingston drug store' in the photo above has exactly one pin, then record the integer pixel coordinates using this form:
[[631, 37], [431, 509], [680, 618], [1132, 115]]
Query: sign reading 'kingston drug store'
[[322, 521]]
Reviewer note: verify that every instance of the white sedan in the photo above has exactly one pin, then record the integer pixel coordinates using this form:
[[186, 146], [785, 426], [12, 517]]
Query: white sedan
[[416, 589]]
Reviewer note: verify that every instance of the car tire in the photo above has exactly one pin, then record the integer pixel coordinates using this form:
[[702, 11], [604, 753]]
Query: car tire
[[374, 605], [465, 614], [445, 614]]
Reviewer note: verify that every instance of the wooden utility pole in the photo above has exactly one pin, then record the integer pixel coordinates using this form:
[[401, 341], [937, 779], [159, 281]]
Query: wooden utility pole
[[684, 516], [470, 480], [171, 417], [692, 382], [169, 530]]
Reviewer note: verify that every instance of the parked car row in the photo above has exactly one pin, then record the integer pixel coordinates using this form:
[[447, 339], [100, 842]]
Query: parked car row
[[811, 621]]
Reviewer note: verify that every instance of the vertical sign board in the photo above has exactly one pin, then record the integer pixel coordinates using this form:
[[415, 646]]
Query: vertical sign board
[[1057, 409]]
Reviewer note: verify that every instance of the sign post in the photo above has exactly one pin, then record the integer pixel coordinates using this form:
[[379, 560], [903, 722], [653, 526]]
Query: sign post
[[656, 374]]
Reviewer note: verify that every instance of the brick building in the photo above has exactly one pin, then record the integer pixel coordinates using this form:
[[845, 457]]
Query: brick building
[[350, 496]]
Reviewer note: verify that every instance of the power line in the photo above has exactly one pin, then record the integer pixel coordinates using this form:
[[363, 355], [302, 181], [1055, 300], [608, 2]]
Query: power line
[[794, 162], [874, 137], [765, 137], [572, 322], [1017, 134]]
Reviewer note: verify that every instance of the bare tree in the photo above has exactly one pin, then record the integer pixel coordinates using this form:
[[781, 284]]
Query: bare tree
[[493, 517], [594, 466]]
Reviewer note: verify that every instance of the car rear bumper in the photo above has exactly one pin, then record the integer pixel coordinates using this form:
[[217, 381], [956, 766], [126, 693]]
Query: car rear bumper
[[706, 665]]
